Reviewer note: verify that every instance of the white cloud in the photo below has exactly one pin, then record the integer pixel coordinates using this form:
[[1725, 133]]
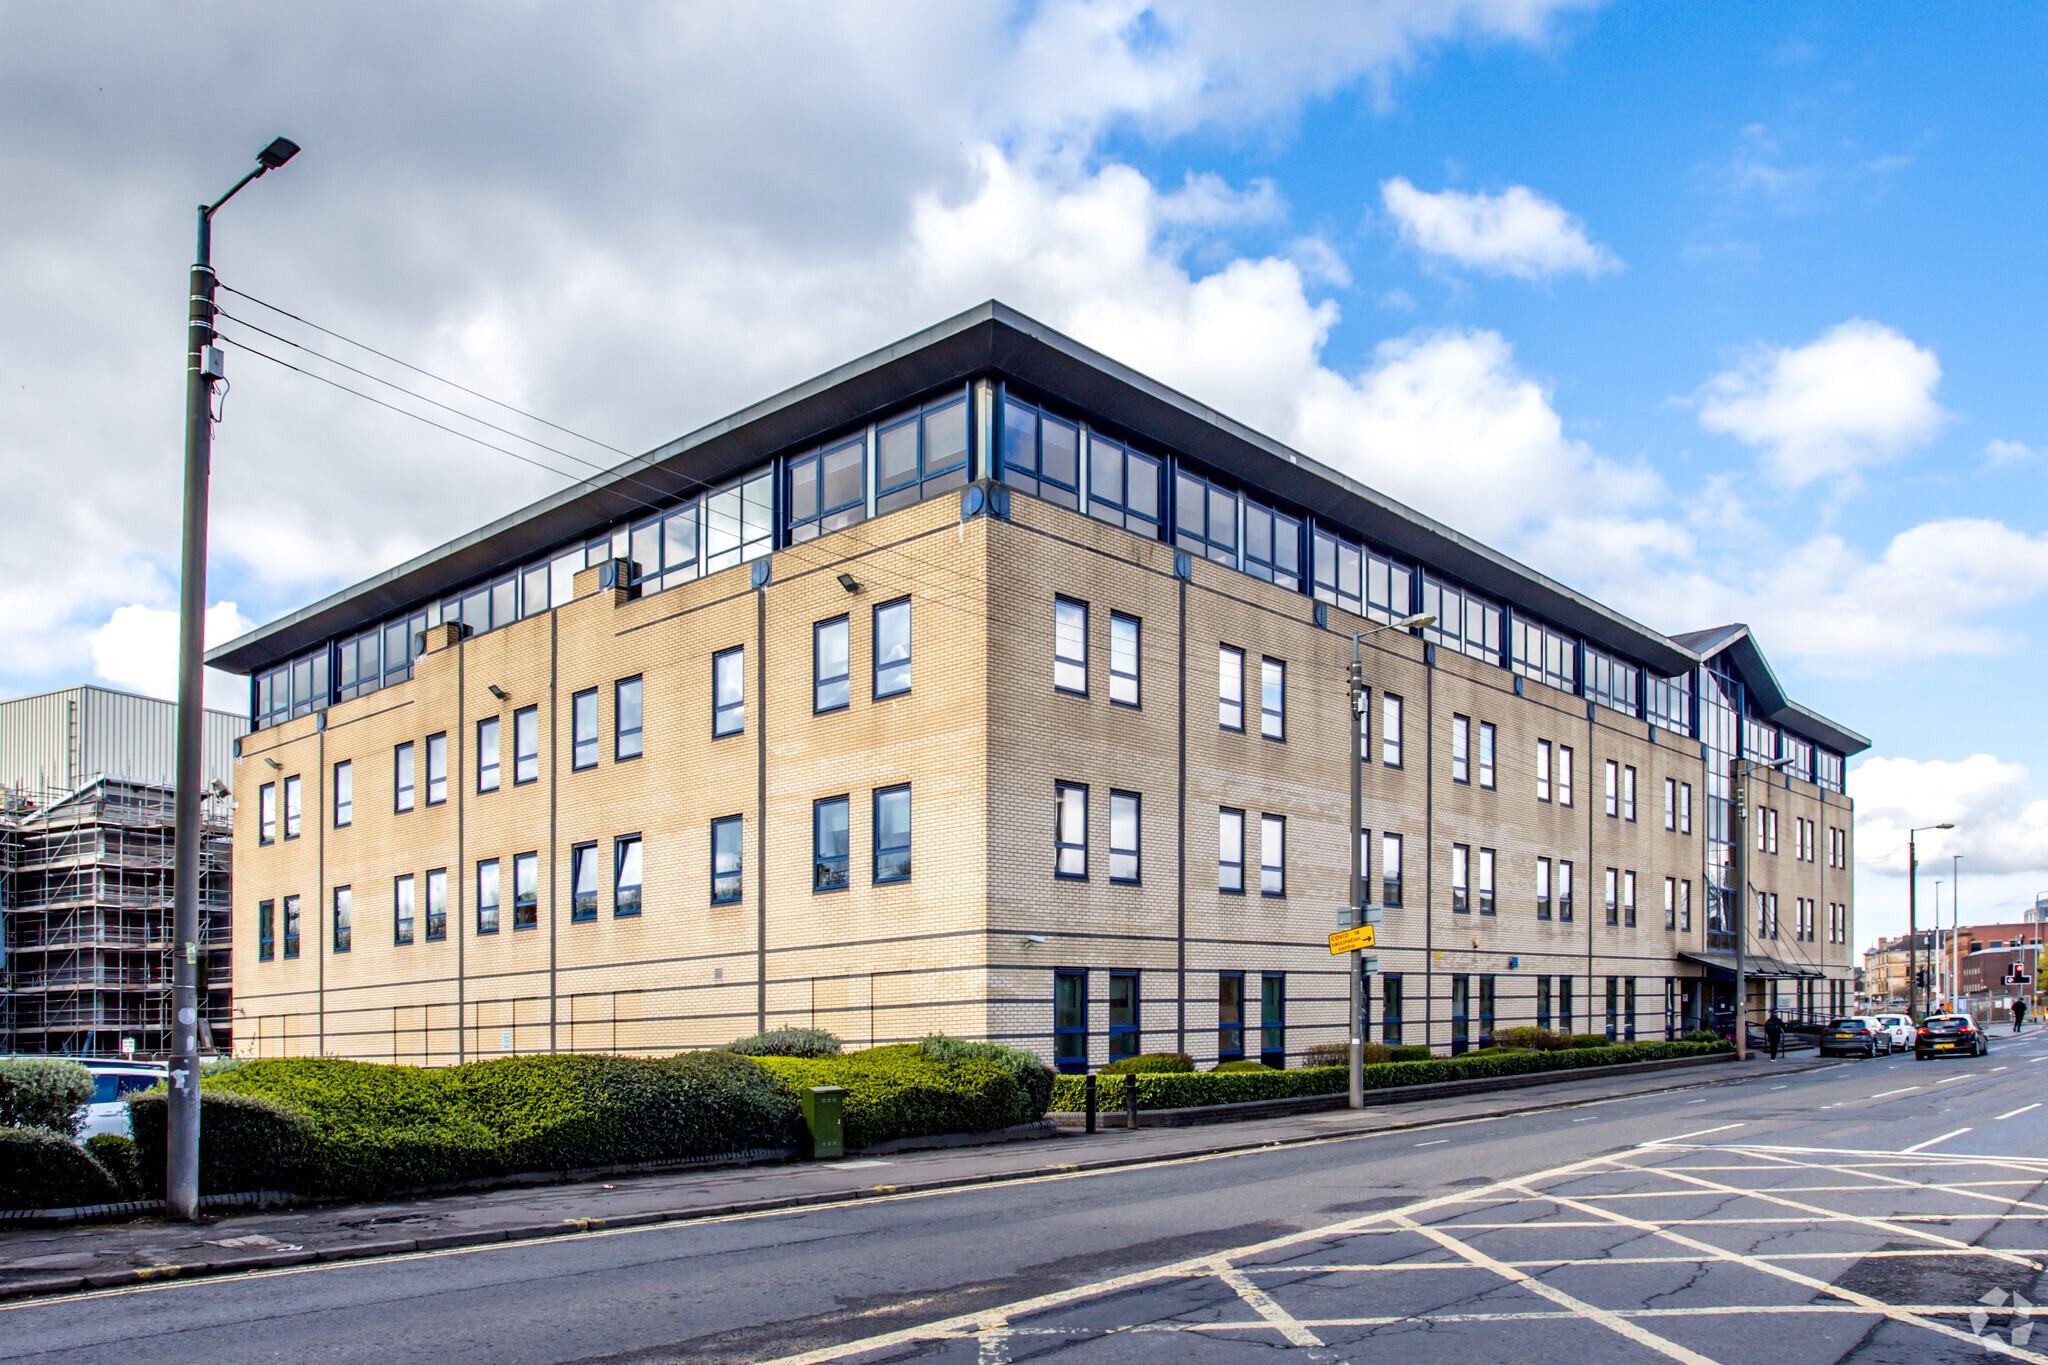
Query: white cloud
[[1860, 395], [1517, 232], [138, 649], [2004, 455], [2001, 826]]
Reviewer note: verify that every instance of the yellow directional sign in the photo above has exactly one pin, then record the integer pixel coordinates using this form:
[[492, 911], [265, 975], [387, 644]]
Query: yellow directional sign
[[1351, 940]]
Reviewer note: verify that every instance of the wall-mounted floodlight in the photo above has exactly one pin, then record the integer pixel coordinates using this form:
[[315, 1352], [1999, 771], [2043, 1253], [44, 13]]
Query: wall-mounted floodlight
[[500, 693], [274, 764], [1030, 939], [847, 582]]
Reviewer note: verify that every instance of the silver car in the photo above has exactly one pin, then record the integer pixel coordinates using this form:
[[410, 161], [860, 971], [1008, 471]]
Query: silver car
[[113, 1082]]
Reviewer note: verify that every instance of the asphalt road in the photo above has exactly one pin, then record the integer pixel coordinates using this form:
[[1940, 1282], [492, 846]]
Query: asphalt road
[[1876, 1211]]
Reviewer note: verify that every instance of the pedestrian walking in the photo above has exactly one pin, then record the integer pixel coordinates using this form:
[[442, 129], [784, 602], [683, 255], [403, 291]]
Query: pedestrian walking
[[1774, 1028], [2019, 1014]]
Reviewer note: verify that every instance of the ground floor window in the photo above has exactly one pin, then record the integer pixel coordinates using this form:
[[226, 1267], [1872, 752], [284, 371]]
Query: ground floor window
[[1486, 1011], [1273, 1020], [1628, 1017], [1613, 1008], [1390, 1009], [1564, 1004], [1670, 1008], [1123, 1015], [1070, 1020], [1542, 1002], [1230, 1016], [1461, 1006]]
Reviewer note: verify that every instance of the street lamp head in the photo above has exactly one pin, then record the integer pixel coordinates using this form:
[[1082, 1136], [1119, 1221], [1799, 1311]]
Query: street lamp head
[[1948, 825], [277, 153], [1419, 621]]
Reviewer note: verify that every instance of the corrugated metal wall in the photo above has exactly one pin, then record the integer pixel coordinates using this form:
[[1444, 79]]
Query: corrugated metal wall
[[61, 740]]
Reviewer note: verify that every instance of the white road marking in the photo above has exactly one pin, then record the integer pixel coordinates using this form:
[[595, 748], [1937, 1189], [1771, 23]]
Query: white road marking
[[1588, 1119], [1889, 1093], [1919, 1146], [1613, 1322], [1438, 1142], [1659, 1142], [2015, 1113], [1894, 1181], [1262, 1303], [1951, 1080]]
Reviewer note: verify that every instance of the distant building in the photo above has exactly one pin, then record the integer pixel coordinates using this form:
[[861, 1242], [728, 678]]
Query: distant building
[[86, 886]]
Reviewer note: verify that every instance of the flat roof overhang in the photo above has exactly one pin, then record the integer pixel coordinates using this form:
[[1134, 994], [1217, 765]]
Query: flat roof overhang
[[993, 340]]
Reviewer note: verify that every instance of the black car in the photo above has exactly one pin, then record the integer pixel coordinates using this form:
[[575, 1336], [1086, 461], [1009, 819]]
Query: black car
[[1855, 1033], [1950, 1033]]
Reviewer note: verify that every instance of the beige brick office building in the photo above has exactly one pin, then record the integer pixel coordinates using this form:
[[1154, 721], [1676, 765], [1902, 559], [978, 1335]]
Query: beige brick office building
[[986, 686]]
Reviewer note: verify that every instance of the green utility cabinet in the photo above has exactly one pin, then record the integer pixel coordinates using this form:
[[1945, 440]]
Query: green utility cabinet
[[824, 1121]]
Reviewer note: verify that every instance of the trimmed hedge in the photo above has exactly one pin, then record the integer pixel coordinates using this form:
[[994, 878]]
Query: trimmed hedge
[[44, 1092], [893, 1092], [1167, 1063], [324, 1126], [1026, 1068], [787, 1042], [116, 1155], [1245, 1064], [41, 1168], [1228, 1087]]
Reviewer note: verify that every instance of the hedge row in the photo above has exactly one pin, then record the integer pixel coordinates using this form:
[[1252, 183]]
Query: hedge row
[[44, 1092], [41, 1168], [892, 1092], [1167, 1091]]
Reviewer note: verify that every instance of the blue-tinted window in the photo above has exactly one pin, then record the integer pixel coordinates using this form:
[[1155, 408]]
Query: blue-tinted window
[[626, 718], [1205, 519], [401, 779], [1123, 659], [725, 859], [663, 550], [1124, 826], [739, 521], [401, 909], [1069, 645], [1041, 454], [266, 930], [526, 744], [828, 489], [1273, 1020], [830, 649], [487, 770], [526, 891], [437, 769], [437, 904], [583, 718], [829, 844], [1124, 486], [1070, 1020], [892, 648], [291, 926], [921, 454], [487, 896], [1229, 1015], [1124, 1033], [343, 929], [626, 875], [892, 834], [1070, 830], [1272, 546], [583, 882], [728, 692], [344, 793]]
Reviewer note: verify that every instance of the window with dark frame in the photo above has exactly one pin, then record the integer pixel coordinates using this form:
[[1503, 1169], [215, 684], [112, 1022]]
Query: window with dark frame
[[1671, 902], [727, 833], [293, 808], [1273, 1020], [1123, 486], [1273, 699], [526, 745], [1461, 749], [1542, 1002], [401, 908], [1628, 898], [487, 754], [892, 648], [1390, 1009], [1230, 851], [829, 844], [487, 896], [626, 876], [1070, 645], [1564, 889], [1229, 688], [1486, 742], [1272, 855], [1461, 874], [583, 729], [266, 930], [830, 646], [291, 926], [1685, 808], [1564, 775], [892, 834], [1613, 789], [728, 691], [266, 813], [626, 719], [1543, 888], [1628, 794], [526, 891], [344, 793], [1390, 730], [1124, 1032], [343, 930], [1564, 1004], [1123, 659], [437, 904], [1070, 1020], [437, 769], [1041, 454], [1070, 830], [1229, 1016], [1390, 870], [1485, 879], [1123, 836], [1613, 886], [1542, 770], [582, 882], [1671, 803]]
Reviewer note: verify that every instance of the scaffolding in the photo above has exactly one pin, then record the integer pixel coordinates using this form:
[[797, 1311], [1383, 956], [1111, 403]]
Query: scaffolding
[[86, 914]]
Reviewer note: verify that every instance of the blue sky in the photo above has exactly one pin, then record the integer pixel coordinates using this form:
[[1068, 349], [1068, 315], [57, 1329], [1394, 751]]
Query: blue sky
[[1718, 312]]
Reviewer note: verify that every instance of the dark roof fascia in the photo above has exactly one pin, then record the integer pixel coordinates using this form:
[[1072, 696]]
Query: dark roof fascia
[[1767, 693], [990, 337]]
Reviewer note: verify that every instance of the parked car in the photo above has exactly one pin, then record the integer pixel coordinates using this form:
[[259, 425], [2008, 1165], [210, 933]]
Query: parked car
[[113, 1082], [1900, 1026], [1950, 1033], [1855, 1033]]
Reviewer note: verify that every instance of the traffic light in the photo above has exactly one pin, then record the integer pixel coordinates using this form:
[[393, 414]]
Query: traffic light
[[1920, 978]]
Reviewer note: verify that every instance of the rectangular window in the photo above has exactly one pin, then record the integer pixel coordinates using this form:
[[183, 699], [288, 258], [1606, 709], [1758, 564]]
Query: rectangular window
[[291, 926], [1273, 699], [266, 930], [1542, 1002], [1543, 888], [1671, 803], [1070, 830], [1229, 1016], [1685, 808], [626, 875], [342, 928], [1613, 1008], [1628, 794], [583, 723], [583, 882], [292, 807], [487, 896], [1461, 874], [1230, 850], [626, 719], [1564, 889], [1671, 902], [1070, 1020], [1390, 870], [829, 643], [1486, 881], [892, 834], [828, 486], [1486, 1011], [401, 776], [726, 834], [728, 692], [1123, 659], [1628, 1009], [437, 769], [1123, 836], [1771, 823], [1614, 895], [1542, 770], [266, 813], [892, 648], [1272, 855], [1041, 454], [1272, 547], [1613, 789], [1461, 749], [526, 745], [437, 904], [1123, 1015], [1070, 645], [1273, 1020], [1564, 1004], [401, 909], [1390, 1008], [1461, 1014], [1685, 906], [1628, 899], [344, 793], [487, 754], [1486, 754], [829, 844], [1229, 688], [526, 891], [1564, 775], [1390, 730]]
